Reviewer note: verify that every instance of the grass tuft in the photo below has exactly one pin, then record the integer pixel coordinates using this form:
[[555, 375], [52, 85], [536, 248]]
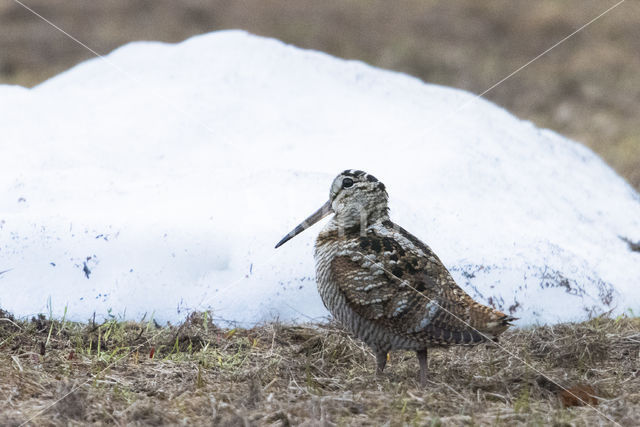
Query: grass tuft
[[196, 372]]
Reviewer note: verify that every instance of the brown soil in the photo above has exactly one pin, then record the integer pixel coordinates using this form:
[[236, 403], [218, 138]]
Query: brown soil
[[61, 373]]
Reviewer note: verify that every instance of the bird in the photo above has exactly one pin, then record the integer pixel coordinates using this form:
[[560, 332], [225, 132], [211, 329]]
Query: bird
[[383, 284]]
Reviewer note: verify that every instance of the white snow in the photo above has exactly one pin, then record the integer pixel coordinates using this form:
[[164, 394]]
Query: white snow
[[171, 171]]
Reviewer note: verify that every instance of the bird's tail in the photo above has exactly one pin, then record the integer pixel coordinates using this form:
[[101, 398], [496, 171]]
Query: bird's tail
[[489, 321], [497, 323]]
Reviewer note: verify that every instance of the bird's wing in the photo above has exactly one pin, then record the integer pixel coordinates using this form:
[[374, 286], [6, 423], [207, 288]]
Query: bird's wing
[[391, 278]]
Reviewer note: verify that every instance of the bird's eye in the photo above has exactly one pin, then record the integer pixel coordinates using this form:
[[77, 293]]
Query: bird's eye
[[347, 182]]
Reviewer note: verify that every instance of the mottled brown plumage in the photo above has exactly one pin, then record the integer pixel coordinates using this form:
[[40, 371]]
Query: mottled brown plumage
[[386, 286]]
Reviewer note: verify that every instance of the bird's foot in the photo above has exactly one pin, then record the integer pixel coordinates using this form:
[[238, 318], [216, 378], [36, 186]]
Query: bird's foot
[[381, 362], [422, 360]]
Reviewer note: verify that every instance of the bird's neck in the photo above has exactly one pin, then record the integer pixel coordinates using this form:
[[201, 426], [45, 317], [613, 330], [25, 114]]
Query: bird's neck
[[360, 218]]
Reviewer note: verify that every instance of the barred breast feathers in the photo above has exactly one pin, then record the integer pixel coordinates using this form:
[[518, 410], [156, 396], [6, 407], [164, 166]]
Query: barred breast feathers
[[390, 278]]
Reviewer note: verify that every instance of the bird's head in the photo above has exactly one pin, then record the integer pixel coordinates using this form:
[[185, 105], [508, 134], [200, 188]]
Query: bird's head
[[355, 197]]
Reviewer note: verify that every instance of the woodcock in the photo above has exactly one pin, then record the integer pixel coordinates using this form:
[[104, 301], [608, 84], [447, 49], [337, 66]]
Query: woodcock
[[383, 284]]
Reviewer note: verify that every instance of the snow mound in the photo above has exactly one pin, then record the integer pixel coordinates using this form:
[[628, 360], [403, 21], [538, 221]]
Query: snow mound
[[157, 181]]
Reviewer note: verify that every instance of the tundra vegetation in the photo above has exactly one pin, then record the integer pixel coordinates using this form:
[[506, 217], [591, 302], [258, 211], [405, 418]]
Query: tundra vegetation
[[56, 372]]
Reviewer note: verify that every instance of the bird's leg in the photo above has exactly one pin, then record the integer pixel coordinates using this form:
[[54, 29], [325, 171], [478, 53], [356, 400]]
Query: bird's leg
[[422, 359], [381, 361]]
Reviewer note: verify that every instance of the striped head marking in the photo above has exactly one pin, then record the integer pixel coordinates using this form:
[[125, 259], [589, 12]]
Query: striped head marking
[[358, 197]]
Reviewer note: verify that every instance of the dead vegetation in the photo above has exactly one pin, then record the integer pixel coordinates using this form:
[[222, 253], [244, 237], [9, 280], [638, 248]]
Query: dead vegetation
[[63, 373]]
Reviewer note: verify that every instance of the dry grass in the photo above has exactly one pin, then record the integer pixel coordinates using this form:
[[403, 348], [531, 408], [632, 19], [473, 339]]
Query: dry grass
[[289, 375], [588, 88]]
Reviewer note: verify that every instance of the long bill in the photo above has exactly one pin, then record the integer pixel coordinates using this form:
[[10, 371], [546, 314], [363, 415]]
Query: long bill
[[315, 217]]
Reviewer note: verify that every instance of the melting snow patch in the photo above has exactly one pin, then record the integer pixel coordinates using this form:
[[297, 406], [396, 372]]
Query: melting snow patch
[[157, 181]]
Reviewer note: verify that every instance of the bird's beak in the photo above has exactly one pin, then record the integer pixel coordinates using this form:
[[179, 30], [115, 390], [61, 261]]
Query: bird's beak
[[315, 217]]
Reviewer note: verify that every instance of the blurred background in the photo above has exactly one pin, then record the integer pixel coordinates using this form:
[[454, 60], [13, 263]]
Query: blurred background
[[588, 88]]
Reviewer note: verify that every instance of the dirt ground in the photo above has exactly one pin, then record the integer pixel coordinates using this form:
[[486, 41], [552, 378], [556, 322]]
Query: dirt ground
[[587, 88], [62, 373]]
